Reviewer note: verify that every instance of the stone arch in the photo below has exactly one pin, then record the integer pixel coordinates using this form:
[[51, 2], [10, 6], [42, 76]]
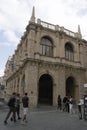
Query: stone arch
[[48, 37], [46, 72], [45, 90], [70, 43]]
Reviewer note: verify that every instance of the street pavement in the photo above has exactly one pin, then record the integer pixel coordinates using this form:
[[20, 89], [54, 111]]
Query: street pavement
[[45, 118]]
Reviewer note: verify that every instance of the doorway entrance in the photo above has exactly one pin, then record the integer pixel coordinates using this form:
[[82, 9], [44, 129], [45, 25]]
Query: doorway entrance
[[70, 86], [45, 95]]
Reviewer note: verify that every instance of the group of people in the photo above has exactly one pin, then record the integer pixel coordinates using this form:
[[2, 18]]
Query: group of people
[[14, 108], [66, 104]]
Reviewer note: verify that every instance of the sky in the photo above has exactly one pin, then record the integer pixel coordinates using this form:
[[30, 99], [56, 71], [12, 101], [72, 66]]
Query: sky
[[15, 16]]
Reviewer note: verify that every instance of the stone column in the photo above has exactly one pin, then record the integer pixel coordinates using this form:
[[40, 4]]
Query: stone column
[[61, 82], [56, 48], [20, 87], [81, 54], [62, 47], [76, 52], [31, 41], [38, 38], [27, 76], [31, 74]]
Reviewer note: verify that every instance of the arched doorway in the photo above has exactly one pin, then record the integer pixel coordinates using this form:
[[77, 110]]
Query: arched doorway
[[45, 95], [70, 86]]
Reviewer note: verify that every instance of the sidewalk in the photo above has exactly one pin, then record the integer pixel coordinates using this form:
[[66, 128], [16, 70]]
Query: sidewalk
[[45, 118]]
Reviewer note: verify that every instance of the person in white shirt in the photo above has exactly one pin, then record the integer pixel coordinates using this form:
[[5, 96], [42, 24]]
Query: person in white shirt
[[80, 108], [71, 105]]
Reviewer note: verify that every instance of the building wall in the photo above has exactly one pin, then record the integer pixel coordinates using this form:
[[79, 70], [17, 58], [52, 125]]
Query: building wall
[[34, 70], [30, 65]]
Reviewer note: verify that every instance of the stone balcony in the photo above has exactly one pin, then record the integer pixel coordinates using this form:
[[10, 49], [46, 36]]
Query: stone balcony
[[60, 29]]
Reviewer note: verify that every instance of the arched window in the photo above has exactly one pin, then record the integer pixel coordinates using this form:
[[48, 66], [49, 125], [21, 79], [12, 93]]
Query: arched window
[[69, 53], [46, 47]]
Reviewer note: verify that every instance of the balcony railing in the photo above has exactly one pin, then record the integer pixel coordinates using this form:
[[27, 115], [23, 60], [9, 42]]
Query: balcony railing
[[57, 27]]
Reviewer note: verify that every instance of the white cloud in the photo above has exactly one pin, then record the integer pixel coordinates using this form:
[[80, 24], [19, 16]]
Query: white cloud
[[1, 72], [9, 44], [11, 36], [15, 14], [65, 13]]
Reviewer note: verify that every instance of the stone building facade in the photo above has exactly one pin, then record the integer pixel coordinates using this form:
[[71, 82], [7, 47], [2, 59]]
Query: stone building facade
[[49, 60]]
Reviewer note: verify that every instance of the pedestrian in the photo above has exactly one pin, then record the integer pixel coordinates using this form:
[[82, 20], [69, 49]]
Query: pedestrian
[[11, 105], [71, 105], [18, 106], [64, 103], [25, 101], [67, 104], [59, 101], [80, 108]]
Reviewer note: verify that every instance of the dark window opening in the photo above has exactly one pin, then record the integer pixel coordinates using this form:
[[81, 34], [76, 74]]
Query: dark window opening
[[69, 53]]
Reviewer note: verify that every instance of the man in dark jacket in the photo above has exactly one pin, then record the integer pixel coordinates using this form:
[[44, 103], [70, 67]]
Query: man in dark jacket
[[18, 105], [11, 104]]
